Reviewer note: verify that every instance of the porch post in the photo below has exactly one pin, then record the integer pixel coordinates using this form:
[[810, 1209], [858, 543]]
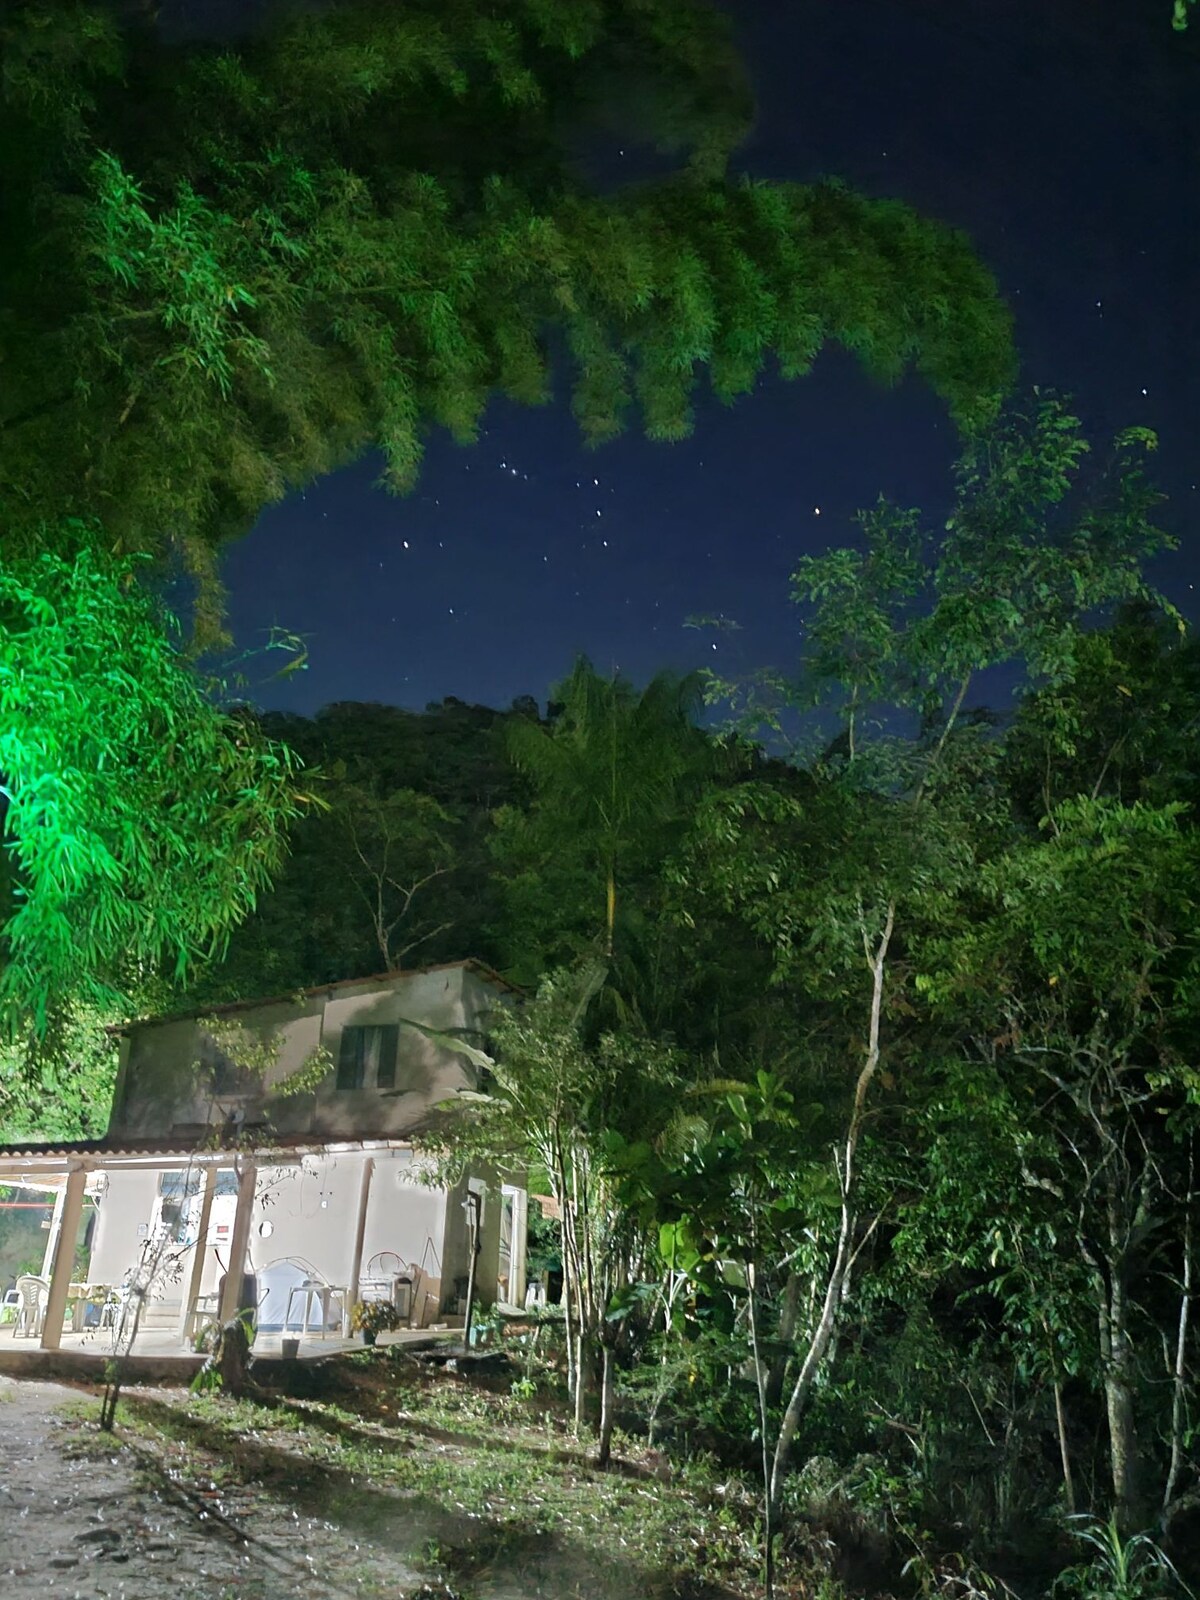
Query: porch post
[[364, 1194], [240, 1242], [516, 1282], [64, 1259], [199, 1250], [55, 1230]]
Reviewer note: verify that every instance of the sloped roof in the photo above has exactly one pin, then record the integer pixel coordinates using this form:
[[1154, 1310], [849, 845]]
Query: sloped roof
[[232, 1007]]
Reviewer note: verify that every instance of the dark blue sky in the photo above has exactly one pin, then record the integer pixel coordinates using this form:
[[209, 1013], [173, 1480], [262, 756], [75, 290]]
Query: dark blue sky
[[1062, 135]]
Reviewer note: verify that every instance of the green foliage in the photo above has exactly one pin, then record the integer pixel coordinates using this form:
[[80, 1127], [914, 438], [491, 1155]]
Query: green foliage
[[58, 1083], [1119, 1568], [396, 853], [612, 778], [1127, 725], [140, 818], [1031, 551], [374, 1316], [349, 225]]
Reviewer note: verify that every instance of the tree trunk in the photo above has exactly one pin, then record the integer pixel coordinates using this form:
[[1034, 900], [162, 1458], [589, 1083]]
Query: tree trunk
[[762, 1381], [1064, 1452], [1116, 1366], [789, 1312], [581, 1381], [844, 1255], [1060, 1422], [473, 1204], [606, 1405], [1179, 1376]]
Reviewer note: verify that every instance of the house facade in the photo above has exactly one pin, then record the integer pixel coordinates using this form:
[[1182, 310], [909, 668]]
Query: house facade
[[267, 1155]]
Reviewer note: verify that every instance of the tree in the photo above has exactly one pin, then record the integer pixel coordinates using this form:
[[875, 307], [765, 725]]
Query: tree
[[417, 791], [230, 268], [58, 1084], [139, 817], [734, 1195], [612, 779], [401, 843], [1087, 949], [849, 880], [558, 1091]]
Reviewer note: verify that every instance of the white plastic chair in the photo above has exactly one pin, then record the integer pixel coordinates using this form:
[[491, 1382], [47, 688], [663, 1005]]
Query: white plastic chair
[[31, 1312]]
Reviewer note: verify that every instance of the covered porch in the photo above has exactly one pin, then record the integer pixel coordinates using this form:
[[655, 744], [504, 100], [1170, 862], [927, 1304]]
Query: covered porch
[[149, 1248]]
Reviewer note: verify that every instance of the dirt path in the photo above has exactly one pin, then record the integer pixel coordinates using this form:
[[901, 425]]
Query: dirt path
[[78, 1522]]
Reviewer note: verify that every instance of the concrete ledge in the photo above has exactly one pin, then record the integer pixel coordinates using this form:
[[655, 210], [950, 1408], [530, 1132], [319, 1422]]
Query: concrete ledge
[[77, 1365]]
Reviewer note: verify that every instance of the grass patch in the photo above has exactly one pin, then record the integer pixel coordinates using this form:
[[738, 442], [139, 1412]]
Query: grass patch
[[481, 1490]]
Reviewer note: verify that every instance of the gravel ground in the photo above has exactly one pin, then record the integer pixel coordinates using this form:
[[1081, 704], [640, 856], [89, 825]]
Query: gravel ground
[[81, 1522]]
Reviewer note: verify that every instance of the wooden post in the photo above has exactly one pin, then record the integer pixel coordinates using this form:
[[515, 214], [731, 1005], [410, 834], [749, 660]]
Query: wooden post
[[360, 1231], [199, 1250], [239, 1244], [520, 1229], [474, 1207], [64, 1259]]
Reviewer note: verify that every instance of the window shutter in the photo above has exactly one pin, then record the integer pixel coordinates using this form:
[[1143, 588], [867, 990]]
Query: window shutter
[[350, 1059], [385, 1072]]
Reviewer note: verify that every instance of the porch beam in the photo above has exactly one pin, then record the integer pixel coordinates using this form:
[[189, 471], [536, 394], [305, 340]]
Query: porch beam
[[239, 1243], [64, 1259], [199, 1251], [52, 1237]]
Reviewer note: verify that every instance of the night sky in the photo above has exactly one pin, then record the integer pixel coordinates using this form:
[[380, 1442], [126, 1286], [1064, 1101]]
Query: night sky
[[1062, 135]]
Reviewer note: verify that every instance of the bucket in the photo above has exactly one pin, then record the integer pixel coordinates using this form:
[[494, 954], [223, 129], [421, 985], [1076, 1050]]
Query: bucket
[[290, 1349]]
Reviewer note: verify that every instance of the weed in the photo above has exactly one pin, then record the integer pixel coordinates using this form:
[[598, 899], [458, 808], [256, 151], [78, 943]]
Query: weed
[[1133, 1568]]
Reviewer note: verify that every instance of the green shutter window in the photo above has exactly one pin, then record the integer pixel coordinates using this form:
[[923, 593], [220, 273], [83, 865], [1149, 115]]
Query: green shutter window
[[350, 1059], [385, 1072]]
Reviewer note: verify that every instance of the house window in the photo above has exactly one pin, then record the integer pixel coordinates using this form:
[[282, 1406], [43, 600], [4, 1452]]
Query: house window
[[367, 1057], [176, 1192]]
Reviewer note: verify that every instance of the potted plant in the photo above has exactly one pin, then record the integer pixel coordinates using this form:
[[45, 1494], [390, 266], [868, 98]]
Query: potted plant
[[373, 1317]]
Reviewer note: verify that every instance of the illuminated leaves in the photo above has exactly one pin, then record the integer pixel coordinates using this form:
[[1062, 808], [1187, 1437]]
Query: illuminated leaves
[[140, 819], [367, 219]]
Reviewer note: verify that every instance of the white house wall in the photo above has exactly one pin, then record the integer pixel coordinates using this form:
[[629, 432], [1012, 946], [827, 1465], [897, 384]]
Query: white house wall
[[127, 1203], [310, 1208]]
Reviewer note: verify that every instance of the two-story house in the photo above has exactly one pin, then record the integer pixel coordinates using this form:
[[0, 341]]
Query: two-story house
[[267, 1154]]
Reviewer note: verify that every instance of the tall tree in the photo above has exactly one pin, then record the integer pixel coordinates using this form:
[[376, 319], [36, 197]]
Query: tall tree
[[393, 865], [847, 882], [612, 778]]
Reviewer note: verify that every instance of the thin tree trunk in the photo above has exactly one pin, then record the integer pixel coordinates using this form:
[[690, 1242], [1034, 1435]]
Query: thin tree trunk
[[569, 1334], [570, 1265], [832, 1303], [1116, 1361], [789, 1312], [473, 1206], [762, 1379], [1060, 1418], [1060, 1421], [1179, 1376], [607, 1388], [581, 1382]]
